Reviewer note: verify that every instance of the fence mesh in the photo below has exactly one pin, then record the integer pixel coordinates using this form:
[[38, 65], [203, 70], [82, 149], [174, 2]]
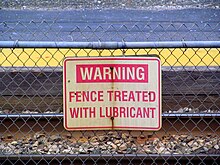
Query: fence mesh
[[44, 30], [96, 4], [31, 94]]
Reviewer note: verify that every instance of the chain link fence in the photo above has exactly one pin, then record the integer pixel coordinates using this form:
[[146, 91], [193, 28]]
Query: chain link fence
[[31, 92]]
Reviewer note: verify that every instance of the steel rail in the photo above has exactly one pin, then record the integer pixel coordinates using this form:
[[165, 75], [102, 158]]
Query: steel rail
[[109, 156], [60, 115]]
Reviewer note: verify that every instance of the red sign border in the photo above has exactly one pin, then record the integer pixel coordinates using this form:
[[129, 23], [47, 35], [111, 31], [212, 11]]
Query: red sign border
[[110, 127]]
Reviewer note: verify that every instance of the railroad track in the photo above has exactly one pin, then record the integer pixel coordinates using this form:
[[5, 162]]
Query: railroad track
[[28, 135], [31, 122]]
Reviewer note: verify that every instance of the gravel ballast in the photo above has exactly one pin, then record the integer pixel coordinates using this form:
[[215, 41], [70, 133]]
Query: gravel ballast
[[110, 143]]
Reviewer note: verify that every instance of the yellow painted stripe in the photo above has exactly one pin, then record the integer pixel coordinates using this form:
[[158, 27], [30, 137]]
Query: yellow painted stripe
[[53, 57]]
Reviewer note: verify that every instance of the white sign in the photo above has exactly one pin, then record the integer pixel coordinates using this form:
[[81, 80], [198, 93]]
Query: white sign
[[120, 93]]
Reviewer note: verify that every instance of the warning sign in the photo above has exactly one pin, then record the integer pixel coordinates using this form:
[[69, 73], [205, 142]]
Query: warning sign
[[122, 93]]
